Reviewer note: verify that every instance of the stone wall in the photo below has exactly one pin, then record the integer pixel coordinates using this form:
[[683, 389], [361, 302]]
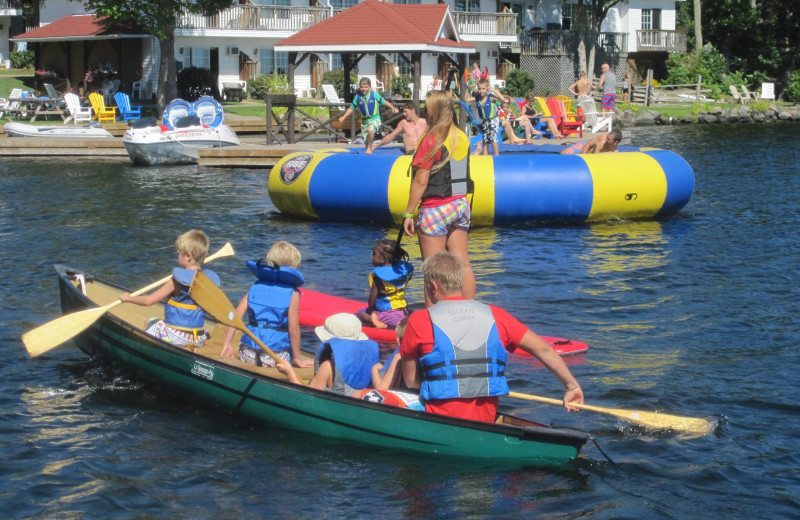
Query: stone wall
[[742, 114]]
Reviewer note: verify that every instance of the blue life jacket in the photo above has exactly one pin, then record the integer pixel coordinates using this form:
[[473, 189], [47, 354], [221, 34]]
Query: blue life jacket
[[486, 110], [181, 312], [468, 360], [393, 280], [352, 360], [268, 302], [367, 105]]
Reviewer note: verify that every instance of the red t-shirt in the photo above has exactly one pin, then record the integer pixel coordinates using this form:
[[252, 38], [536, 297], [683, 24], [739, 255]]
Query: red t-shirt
[[419, 161], [418, 341]]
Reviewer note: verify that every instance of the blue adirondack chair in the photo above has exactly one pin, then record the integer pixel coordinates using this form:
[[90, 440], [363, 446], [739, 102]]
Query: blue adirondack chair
[[126, 111]]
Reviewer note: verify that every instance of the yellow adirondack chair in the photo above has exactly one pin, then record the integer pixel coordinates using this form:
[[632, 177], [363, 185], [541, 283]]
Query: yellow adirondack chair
[[543, 108], [101, 112], [571, 115]]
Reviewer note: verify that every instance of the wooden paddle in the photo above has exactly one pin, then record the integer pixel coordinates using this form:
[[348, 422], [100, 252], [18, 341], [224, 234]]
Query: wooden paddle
[[212, 299], [53, 333], [692, 425]]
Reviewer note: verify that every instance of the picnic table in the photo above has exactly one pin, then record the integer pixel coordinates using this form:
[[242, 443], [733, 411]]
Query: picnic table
[[38, 106]]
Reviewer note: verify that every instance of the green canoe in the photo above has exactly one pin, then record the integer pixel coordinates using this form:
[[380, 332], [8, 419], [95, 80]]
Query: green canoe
[[262, 395]]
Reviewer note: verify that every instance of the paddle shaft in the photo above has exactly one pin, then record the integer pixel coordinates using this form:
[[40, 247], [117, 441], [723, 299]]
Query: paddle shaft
[[53, 333], [214, 301], [648, 419]]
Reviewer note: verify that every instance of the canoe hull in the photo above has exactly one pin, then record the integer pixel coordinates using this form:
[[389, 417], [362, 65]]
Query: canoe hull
[[266, 400]]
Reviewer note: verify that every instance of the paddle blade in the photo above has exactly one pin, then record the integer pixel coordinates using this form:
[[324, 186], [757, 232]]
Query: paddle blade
[[658, 421], [226, 250], [53, 333], [214, 301]]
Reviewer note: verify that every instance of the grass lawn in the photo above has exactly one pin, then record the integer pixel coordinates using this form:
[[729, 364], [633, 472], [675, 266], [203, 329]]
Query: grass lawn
[[16, 78]]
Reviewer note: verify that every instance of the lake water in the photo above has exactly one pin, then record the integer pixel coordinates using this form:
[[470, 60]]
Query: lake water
[[693, 315]]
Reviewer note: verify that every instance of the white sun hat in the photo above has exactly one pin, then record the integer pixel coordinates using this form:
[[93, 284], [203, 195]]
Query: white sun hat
[[342, 325]]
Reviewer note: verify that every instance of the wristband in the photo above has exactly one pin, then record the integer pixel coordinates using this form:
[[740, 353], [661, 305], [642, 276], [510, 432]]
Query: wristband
[[408, 215], [573, 388]]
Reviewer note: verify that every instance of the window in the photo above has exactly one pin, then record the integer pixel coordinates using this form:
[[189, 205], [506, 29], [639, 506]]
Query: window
[[199, 57], [336, 62], [343, 4], [273, 62], [403, 66], [573, 15], [651, 19], [470, 6], [405, 1]]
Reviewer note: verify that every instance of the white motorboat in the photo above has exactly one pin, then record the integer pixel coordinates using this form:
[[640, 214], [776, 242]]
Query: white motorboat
[[185, 129], [23, 130]]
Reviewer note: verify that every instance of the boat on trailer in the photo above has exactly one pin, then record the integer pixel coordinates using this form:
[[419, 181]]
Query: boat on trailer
[[185, 129], [93, 130], [264, 396]]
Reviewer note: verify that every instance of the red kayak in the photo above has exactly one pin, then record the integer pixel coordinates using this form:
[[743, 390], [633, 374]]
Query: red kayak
[[315, 307]]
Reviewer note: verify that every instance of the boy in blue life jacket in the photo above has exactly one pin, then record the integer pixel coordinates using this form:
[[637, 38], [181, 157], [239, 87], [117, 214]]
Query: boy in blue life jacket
[[368, 104], [183, 320], [344, 360], [488, 113], [271, 309]]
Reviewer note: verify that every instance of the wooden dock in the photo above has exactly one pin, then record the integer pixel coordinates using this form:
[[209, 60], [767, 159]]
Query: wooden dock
[[253, 153]]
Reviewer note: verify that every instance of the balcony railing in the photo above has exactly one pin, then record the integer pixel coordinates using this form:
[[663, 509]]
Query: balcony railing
[[543, 43], [256, 18], [11, 4], [501, 24], [661, 40]]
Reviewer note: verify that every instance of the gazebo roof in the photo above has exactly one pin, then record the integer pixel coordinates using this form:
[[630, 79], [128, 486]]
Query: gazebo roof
[[373, 26], [81, 27]]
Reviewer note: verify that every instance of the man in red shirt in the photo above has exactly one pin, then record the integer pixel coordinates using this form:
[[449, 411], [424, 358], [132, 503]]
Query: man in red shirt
[[455, 351]]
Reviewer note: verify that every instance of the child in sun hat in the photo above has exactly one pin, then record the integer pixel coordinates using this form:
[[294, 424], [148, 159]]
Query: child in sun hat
[[343, 363]]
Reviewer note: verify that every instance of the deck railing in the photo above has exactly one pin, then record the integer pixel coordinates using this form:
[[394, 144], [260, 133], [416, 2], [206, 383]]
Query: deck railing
[[11, 4], [501, 24], [256, 18], [542, 43], [661, 40]]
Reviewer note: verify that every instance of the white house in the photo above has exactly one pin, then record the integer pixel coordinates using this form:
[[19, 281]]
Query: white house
[[239, 43]]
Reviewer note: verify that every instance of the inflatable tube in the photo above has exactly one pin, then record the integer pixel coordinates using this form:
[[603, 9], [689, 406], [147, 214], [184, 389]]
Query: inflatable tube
[[209, 111], [534, 183], [315, 307], [177, 109]]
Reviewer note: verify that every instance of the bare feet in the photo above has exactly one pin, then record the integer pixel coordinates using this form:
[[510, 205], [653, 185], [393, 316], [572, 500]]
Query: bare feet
[[378, 324]]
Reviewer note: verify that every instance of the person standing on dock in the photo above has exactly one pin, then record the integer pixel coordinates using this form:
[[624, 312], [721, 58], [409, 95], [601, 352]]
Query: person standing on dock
[[608, 86], [455, 351]]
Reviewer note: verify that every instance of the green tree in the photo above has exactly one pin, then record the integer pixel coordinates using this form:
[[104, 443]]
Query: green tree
[[591, 14], [159, 17]]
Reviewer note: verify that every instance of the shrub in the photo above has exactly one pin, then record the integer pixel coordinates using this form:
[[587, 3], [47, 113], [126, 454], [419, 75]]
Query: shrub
[[336, 78], [400, 85], [519, 83], [194, 82], [272, 83], [793, 90], [21, 59]]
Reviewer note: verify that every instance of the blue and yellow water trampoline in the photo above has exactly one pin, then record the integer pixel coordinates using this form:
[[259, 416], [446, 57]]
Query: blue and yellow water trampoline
[[533, 183]]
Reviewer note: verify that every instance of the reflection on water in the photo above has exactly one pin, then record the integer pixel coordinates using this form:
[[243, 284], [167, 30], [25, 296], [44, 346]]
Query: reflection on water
[[694, 315]]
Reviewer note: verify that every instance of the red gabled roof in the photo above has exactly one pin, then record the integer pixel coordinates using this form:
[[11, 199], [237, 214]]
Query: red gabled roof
[[81, 27], [382, 27]]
